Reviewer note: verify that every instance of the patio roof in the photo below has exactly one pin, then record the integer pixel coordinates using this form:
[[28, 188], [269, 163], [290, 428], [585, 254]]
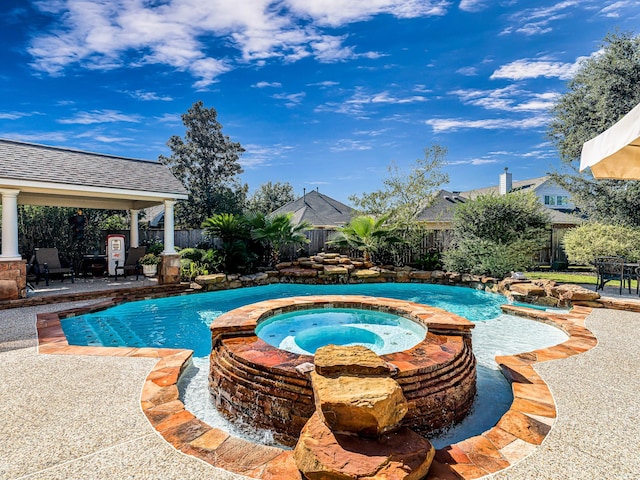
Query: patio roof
[[64, 177]]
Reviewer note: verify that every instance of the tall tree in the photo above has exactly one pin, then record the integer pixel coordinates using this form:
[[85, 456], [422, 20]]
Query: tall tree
[[270, 196], [207, 164], [605, 87], [404, 195]]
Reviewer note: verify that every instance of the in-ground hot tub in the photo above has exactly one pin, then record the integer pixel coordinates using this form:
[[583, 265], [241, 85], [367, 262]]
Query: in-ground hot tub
[[259, 383]]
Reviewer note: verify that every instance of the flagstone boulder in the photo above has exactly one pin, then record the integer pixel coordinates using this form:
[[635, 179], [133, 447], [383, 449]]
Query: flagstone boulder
[[355, 432]]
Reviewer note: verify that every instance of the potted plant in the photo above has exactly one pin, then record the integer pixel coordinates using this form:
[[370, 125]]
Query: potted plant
[[149, 264]]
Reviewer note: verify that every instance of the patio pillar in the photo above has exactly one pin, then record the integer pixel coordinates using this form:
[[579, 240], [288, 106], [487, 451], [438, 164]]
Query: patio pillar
[[169, 246], [134, 239], [10, 225]]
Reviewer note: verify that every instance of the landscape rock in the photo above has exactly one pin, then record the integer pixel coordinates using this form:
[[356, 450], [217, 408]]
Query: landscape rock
[[322, 455], [366, 273], [574, 293], [333, 360], [212, 279], [367, 406]]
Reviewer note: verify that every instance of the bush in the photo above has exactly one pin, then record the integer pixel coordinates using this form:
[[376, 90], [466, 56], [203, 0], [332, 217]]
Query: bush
[[155, 247], [150, 259], [194, 254], [431, 260], [590, 240], [497, 234]]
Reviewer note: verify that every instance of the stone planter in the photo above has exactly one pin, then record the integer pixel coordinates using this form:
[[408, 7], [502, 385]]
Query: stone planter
[[149, 270]]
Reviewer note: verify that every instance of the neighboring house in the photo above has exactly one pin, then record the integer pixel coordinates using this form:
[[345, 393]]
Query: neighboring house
[[321, 211], [324, 213], [439, 215]]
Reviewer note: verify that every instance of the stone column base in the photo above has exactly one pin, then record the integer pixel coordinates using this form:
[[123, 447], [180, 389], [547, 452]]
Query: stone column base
[[169, 269], [13, 279]]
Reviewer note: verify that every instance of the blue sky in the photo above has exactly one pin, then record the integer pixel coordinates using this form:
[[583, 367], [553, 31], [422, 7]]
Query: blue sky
[[321, 93]]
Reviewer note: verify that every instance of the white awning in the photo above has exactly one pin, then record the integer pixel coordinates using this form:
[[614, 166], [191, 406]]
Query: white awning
[[615, 153]]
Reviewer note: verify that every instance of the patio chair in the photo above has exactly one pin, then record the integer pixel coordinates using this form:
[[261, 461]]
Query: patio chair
[[47, 262], [612, 268], [131, 262]]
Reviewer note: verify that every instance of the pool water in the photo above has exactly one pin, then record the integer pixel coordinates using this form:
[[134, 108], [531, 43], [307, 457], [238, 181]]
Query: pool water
[[303, 332], [183, 321]]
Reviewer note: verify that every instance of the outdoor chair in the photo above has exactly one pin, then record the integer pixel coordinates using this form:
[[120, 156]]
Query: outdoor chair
[[47, 262], [131, 262], [612, 268]]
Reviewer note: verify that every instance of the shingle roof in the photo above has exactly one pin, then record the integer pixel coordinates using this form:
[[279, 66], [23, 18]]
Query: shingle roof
[[40, 163], [318, 210], [442, 208], [521, 185]]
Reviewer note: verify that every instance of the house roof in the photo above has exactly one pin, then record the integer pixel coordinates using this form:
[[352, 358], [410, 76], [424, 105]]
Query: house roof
[[531, 185], [442, 207], [58, 176], [317, 209]]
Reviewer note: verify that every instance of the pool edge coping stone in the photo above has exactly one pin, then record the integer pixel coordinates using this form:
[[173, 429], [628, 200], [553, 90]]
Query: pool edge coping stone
[[516, 435]]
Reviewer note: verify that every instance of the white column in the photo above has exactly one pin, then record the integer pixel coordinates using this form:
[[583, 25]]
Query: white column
[[133, 234], [10, 225], [169, 247]]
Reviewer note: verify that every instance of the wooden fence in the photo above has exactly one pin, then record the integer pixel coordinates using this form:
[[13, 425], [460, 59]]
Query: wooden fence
[[432, 240]]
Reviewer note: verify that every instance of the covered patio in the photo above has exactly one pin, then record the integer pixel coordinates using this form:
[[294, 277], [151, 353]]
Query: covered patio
[[41, 175]]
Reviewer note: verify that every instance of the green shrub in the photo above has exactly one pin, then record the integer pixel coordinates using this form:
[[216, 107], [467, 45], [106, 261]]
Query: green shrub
[[590, 240], [497, 234], [189, 270], [155, 247], [194, 254]]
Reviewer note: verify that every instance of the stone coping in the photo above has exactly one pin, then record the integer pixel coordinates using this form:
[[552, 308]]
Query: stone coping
[[516, 435], [246, 318]]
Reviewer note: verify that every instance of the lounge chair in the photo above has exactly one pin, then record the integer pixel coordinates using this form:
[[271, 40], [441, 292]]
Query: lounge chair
[[131, 262], [47, 263]]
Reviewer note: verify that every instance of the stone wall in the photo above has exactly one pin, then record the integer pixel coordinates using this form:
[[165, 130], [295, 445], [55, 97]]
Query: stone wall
[[13, 280], [332, 268]]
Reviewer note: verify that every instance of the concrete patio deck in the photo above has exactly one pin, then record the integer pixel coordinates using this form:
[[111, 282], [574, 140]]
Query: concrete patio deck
[[79, 417]]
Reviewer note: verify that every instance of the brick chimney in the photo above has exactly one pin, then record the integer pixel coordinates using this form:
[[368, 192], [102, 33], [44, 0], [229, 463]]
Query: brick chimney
[[505, 182]]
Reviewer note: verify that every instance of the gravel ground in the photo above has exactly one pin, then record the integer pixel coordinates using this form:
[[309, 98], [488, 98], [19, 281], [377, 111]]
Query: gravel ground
[[79, 417]]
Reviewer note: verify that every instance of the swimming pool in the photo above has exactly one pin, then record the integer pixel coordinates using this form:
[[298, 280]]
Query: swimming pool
[[183, 322]]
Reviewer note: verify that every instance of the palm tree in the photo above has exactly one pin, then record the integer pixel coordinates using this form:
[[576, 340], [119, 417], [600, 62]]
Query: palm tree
[[233, 231], [277, 232], [366, 234]]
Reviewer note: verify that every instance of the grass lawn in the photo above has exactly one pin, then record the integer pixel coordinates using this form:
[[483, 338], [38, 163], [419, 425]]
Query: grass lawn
[[568, 277]]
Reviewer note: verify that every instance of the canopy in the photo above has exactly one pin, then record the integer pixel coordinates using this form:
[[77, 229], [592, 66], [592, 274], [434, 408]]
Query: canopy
[[615, 153]]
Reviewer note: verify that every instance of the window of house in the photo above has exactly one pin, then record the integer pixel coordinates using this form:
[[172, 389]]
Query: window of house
[[562, 200], [549, 200]]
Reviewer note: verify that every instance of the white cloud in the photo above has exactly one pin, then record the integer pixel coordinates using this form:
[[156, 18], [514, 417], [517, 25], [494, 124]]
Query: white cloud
[[615, 9], [440, 125], [267, 84], [257, 156], [292, 99], [99, 116], [538, 20], [467, 71], [346, 145], [325, 84], [339, 12], [472, 5], [183, 34], [148, 96], [509, 99], [13, 115], [529, 68], [473, 161]]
